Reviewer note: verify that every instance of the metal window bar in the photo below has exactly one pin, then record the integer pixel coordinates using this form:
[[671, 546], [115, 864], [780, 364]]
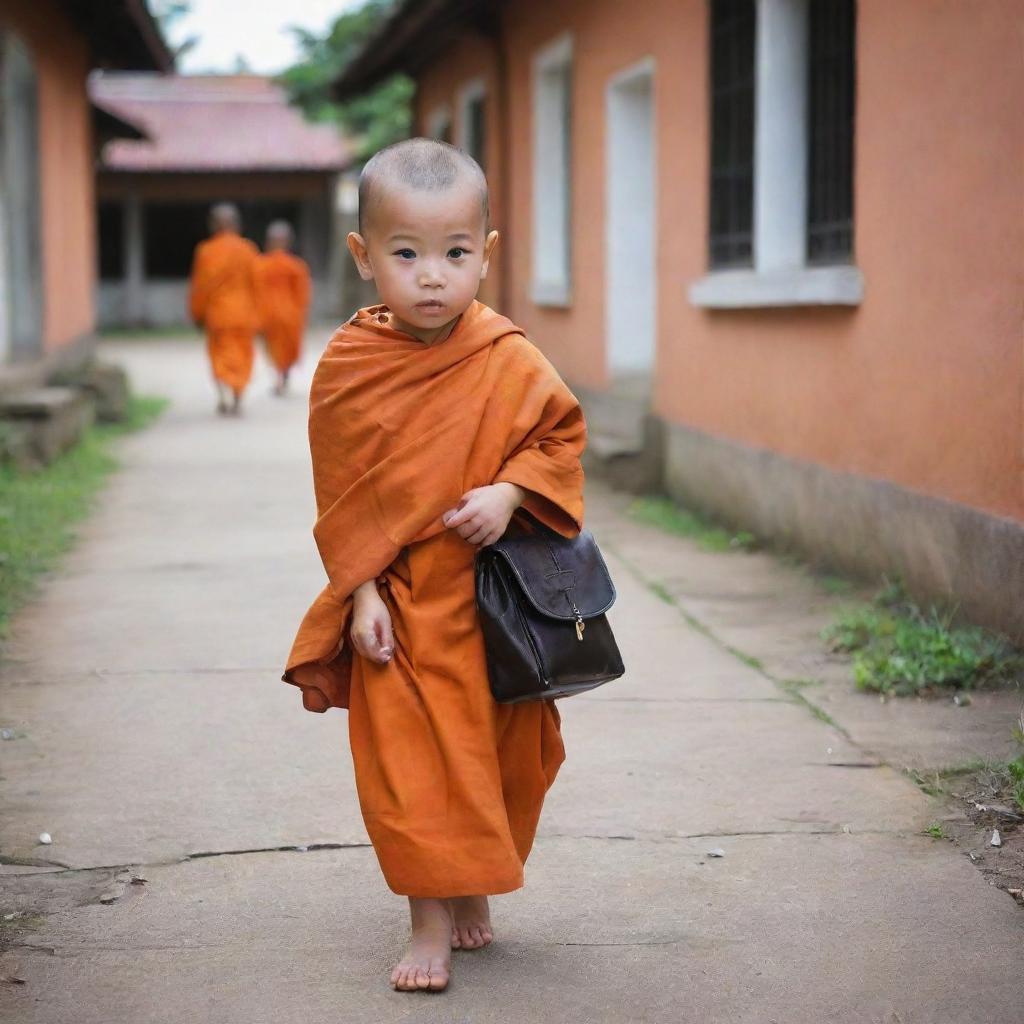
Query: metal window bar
[[732, 133], [831, 92]]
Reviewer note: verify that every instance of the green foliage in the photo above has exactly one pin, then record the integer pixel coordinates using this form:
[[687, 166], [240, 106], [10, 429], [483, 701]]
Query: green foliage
[[167, 14], [935, 831], [667, 515], [899, 649], [38, 510], [379, 117]]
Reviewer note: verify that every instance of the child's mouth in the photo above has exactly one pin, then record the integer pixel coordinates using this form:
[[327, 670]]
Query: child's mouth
[[431, 306]]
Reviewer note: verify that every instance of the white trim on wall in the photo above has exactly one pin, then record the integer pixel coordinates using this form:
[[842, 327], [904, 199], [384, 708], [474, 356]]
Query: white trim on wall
[[552, 173], [437, 120], [473, 91], [631, 219]]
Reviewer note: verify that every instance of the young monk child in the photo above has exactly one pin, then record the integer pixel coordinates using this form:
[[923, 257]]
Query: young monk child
[[432, 422], [283, 288]]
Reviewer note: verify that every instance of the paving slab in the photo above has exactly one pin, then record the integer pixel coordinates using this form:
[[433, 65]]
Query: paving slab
[[152, 732], [794, 929]]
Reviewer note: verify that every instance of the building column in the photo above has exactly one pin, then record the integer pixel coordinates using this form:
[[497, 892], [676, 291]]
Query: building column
[[780, 135], [134, 260]]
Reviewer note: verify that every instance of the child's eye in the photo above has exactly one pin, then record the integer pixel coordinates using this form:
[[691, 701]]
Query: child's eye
[[457, 253], [405, 254]]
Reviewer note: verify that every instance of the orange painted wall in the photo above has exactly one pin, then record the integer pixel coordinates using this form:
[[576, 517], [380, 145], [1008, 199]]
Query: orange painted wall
[[67, 186], [923, 383], [469, 60]]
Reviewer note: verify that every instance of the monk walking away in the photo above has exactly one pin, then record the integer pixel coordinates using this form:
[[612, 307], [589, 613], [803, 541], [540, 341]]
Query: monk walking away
[[284, 289], [223, 302], [433, 421]]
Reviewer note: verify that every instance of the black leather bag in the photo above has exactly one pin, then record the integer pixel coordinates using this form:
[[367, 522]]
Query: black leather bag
[[542, 601]]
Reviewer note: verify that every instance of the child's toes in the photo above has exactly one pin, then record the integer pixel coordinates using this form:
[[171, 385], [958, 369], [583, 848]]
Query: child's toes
[[422, 978], [456, 938], [438, 975]]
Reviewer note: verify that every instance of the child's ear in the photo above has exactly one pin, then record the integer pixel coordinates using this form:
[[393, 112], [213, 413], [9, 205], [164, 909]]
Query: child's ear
[[492, 241], [357, 246]]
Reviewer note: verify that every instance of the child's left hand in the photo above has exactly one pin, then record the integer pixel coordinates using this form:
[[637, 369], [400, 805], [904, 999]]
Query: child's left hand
[[482, 514]]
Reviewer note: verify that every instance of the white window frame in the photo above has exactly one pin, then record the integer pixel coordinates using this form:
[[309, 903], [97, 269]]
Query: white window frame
[[780, 275], [552, 178], [470, 93], [438, 119]]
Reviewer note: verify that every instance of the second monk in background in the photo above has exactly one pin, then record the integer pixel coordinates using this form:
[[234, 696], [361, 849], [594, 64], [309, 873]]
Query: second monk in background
[[284, 290]]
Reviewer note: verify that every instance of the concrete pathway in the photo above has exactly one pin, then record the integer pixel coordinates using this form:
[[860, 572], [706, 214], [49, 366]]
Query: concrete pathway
[[154, 739]]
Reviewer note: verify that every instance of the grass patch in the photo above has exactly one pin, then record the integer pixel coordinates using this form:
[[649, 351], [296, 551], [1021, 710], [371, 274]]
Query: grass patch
[[672, 518], [39, 510], [902, 650], [935, 831], [837, 586]]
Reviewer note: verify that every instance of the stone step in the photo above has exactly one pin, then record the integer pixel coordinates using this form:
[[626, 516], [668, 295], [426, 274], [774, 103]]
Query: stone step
[[39, 424]]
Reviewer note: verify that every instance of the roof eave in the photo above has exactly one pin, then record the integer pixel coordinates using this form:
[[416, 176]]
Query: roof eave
[[109, 126], [124, 36], [408, 41]]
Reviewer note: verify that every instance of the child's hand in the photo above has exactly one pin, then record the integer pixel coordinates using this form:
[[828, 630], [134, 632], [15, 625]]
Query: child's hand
[[371, 625], [482, 514]]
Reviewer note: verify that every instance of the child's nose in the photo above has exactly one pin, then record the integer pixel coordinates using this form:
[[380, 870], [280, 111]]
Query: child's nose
[[432, 277]]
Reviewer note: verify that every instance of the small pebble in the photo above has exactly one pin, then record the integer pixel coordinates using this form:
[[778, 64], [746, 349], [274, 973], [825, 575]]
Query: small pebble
[[716, 852], [302, 849], [7, 734], [997, 839], [45, 838]]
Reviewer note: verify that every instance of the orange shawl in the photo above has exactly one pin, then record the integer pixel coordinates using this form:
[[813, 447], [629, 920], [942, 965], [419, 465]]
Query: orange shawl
[[398, 432]]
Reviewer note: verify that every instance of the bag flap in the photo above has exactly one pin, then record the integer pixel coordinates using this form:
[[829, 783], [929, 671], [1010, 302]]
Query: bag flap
[[558, 575]]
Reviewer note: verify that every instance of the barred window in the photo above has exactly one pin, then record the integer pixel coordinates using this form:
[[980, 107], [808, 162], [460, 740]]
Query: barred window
[[832, 34], [732, 132]]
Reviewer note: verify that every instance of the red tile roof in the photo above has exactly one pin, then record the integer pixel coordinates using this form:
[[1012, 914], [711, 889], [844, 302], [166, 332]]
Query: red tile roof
[[213, 123]]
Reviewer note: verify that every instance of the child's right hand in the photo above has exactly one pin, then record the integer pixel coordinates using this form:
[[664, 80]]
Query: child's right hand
[[371, 630]]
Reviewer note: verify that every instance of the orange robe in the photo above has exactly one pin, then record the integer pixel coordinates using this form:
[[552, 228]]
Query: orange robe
[[223, 300], [450, 783], [284, 289]]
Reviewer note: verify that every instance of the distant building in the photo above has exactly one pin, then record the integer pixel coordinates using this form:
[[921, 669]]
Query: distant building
[[48, 139], [207, 139], [777, 246]]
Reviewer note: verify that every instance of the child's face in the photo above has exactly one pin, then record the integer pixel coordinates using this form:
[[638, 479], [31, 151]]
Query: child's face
[[427, 253]]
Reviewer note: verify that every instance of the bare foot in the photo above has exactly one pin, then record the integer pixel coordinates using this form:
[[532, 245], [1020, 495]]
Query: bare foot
[[471, 922], [424, 968]]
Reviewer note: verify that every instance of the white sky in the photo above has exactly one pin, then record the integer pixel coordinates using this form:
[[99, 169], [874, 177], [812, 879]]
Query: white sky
[[256, 29]]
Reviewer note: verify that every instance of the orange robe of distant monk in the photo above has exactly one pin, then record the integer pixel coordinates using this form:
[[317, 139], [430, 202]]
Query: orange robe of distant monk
[[284, 289], [450, 783], [223, 300]]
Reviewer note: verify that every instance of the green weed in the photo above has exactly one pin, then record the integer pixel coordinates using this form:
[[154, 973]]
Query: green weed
[[900, 649], [38, 510], [667, 515], [935, 831]]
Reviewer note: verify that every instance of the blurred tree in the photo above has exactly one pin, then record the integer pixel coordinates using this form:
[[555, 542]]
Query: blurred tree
[[168, 13], [375, 119]]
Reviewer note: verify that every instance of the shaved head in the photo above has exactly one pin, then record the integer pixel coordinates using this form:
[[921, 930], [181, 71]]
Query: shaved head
[[225, 217], [421, 165], [280, 233]]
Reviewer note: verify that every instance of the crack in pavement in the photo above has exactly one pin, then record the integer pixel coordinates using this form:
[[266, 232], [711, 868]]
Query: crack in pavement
[[61, 869], [200, 855], [668, 837]]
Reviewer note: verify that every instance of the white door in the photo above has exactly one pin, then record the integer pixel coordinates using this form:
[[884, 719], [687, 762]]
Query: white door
[[631, 236]]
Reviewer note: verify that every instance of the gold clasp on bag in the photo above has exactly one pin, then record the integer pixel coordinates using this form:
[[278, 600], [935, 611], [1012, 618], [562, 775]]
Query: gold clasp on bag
[[580, 626]]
